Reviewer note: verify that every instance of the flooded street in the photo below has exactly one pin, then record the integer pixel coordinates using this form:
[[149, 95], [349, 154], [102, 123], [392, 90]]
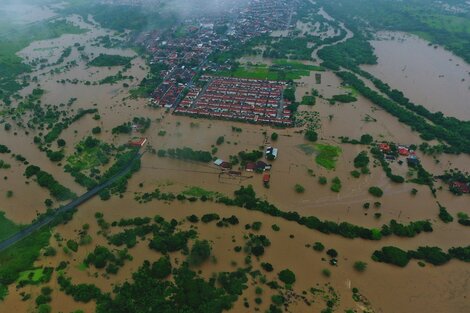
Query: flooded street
[[428, 75]]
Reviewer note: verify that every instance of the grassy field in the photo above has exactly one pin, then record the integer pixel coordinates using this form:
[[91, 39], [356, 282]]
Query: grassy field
[[327, 155], [281, 70], [198, 192]]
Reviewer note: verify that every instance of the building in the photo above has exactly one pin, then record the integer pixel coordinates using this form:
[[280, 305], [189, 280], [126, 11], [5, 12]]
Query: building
[[271, 153], [137, 142]]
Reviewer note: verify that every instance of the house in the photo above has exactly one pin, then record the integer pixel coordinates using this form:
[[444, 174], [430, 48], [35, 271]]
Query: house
[[403, 151], [262, 166], [226, 165], [250, 166], [384, 147], [271, 153], [137, 142], [461, 187]]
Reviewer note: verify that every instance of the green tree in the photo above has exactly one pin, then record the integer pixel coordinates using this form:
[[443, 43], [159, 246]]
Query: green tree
[[200, 252], [286, 276]]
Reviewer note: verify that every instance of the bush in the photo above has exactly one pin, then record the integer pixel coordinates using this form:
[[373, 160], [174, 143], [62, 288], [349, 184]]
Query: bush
[[318, 246], [322, 180], [332, 253], [311, 135], [444, 215], [287, 276], [267, 267], [326, 272], [360, 266], [96, 130], [274, 136], [299, 188], [72, 245], [376, 191]]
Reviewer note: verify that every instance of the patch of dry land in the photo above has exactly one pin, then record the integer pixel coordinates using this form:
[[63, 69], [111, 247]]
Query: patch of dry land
[[242, 239]]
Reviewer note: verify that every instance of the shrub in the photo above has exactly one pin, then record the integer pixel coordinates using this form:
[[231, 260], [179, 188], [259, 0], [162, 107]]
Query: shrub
[[376, 191], [318, 246], [360, 266], [274, 136], [299, 188], [287, 276], [332, 253], [326, 272], [311, 135], [267, 267], [200, 252], [322, 180]]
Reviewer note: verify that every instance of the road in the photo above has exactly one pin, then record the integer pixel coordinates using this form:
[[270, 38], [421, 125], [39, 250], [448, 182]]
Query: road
[[30, 229]]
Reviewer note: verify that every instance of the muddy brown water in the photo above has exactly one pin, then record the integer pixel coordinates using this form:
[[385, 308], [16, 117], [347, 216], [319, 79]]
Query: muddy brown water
[[388, 288], [428, 75]]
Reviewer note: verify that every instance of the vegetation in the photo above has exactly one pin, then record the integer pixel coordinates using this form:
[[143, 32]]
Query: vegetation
[[327, 155], [46, 180], [109, 60], [444, 215], [186, 154], [376, 191], [287, 276], [344, 98]]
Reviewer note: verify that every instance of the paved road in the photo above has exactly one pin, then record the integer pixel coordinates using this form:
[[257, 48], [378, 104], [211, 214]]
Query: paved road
[[25, 232]]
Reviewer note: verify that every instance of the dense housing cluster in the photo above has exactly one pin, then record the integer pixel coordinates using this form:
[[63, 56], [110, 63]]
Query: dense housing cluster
[[238, 99]]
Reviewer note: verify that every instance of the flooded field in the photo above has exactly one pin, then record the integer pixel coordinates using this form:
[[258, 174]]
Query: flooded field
[[388, 288], [428, 75]]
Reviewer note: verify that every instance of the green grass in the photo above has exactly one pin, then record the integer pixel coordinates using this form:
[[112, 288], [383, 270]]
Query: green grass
[[35, 275], [281, 70], [198, 192], [82, 267], [87, 158], [7, 227], [327, 155]]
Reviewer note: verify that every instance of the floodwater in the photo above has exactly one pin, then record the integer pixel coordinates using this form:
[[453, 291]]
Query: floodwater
[[428, 75], [389, 289]]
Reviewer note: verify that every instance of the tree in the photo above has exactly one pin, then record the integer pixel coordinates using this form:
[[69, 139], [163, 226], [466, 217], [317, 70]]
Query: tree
[[162, 268], [267, 267], [366, 139], [286, 276], [318, 246], [274, 136], [311, 135], [96, 130], [376, 191], [200, 252]]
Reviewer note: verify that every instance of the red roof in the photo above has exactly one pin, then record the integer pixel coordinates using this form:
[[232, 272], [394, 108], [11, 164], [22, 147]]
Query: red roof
[[266, 177], [462, 187]]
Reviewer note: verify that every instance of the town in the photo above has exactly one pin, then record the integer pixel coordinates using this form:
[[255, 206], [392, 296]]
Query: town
[[186, 50]]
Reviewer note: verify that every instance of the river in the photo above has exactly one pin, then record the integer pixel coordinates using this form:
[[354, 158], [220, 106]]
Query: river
[[428, 75]]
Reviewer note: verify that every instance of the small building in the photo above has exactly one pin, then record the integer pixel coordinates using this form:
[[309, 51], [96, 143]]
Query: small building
[[262, 166], [384, 147], [403, 151], [271, 153], [137, 142], [461, 187], [250, 166], [218, 162], [226, 165]]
